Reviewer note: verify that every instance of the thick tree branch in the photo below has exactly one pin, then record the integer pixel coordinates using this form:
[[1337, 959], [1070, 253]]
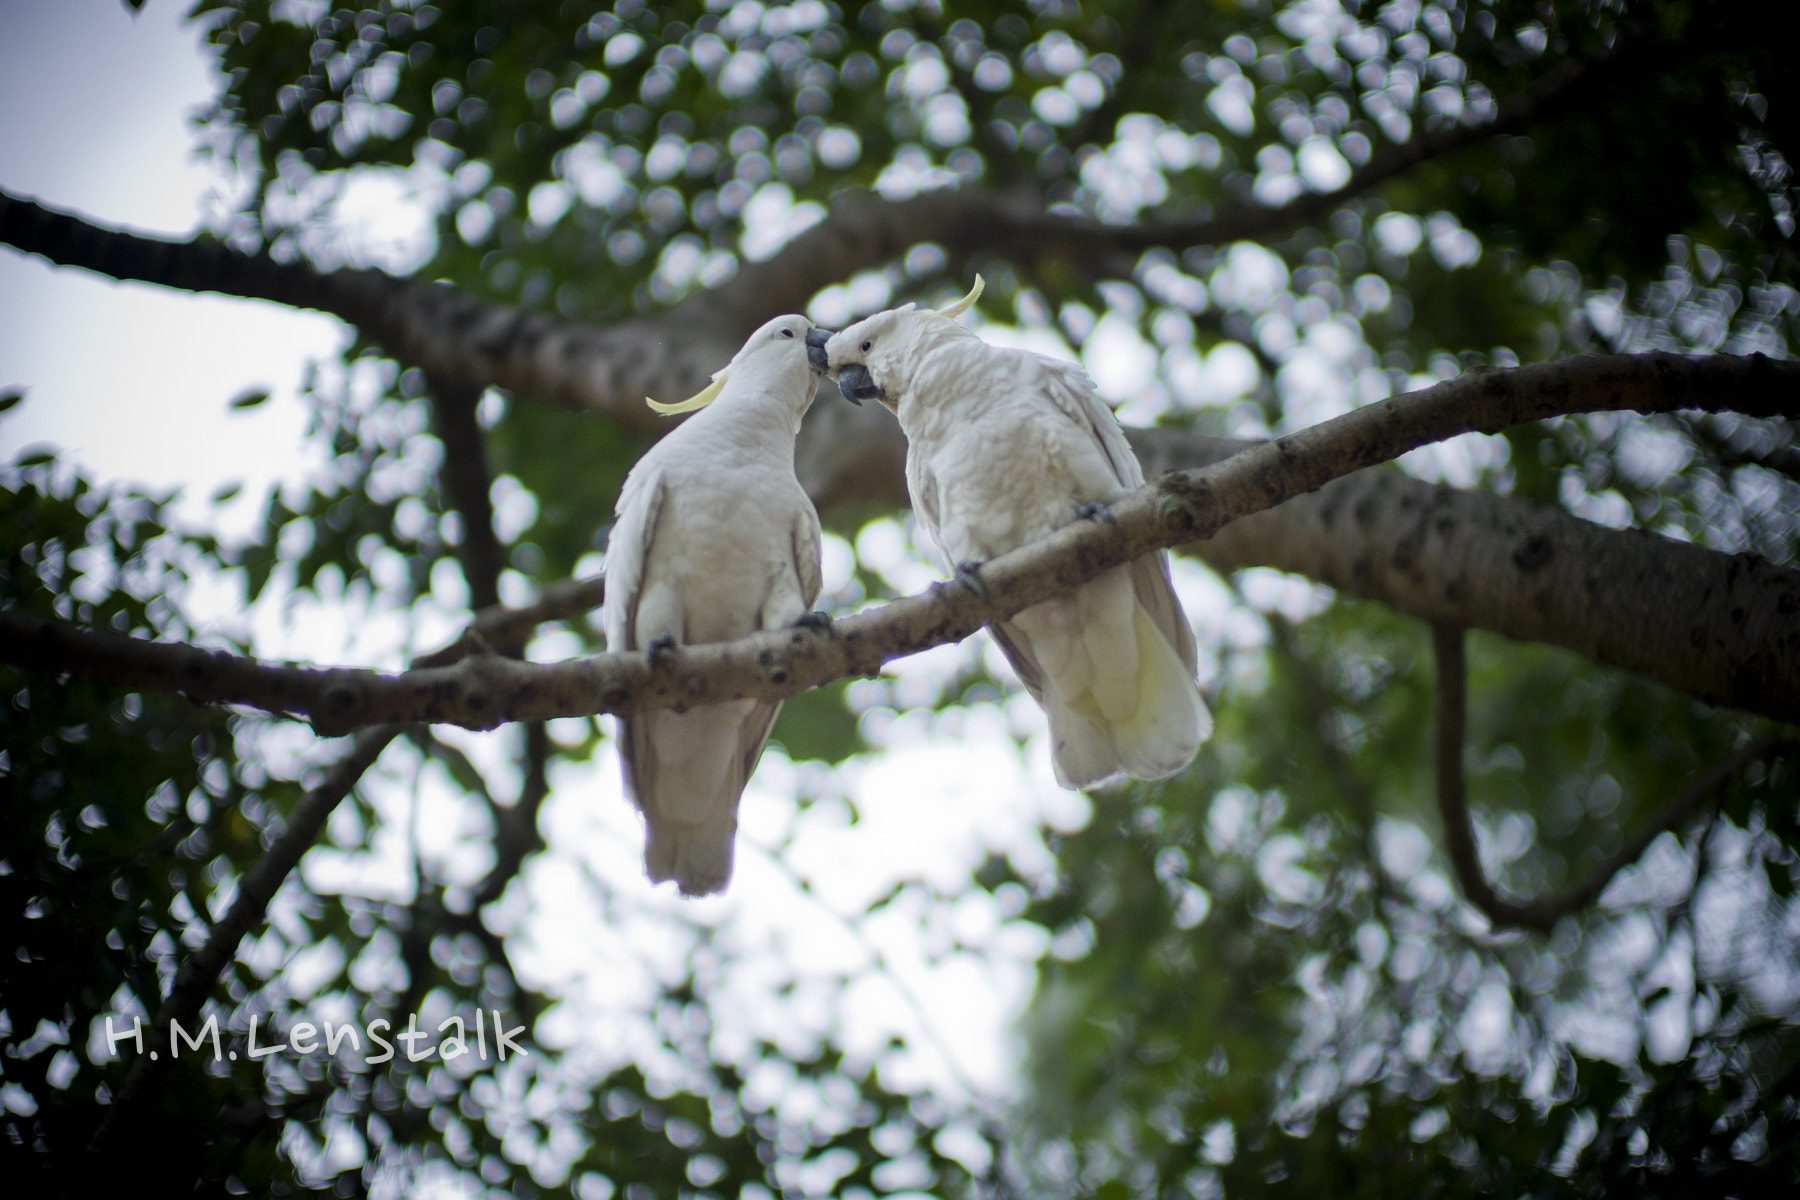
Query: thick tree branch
[[1459, 828], [484, 690], [200, 972], [1670, 611]]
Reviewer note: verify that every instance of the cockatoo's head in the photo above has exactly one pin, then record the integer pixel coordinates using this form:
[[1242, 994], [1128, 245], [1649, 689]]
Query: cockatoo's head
[[869, 359], [788, 351]]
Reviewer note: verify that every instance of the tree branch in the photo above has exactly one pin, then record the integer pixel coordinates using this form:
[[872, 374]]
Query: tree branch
[[466, 482], [515, 828], [200, 972], [1459, 827], [462, 339], [501, 626], [484, 690]]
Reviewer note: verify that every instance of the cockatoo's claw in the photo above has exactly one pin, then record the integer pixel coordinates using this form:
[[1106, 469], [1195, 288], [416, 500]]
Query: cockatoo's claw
[[1094, 510], [969, 575], [818, 622], [660, 648]]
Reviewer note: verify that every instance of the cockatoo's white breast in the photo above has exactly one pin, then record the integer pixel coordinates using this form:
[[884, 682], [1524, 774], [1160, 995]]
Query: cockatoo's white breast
[[728, 504]]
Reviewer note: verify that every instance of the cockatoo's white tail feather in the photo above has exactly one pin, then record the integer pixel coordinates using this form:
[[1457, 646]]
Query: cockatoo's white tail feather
[[688, 771], [701, 761], [1171, 720], [1120, 698], [697, 857], [1081, 749]]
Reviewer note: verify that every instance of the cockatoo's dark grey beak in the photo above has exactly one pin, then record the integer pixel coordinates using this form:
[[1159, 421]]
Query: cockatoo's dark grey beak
[[857, 384], [815, 349]]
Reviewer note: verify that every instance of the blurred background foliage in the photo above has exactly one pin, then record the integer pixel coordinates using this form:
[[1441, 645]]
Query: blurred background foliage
[[1257, 976]]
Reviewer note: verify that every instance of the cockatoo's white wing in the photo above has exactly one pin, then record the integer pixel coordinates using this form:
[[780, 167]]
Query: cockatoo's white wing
[[1067, 388], [808, 569], [634, 528], [1070, 390], [1147, 718]]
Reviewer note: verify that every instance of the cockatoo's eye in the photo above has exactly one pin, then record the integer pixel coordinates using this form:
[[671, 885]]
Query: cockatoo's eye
[[867, 346], [787, 333]]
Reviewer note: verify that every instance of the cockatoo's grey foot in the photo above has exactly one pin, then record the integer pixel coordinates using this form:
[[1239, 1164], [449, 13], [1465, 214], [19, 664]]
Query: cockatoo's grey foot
[[660, 648], [1094, 510], [969, 575], [818, 622]]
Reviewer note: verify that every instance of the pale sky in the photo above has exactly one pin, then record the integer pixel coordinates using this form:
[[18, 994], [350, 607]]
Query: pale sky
[[132, 380]]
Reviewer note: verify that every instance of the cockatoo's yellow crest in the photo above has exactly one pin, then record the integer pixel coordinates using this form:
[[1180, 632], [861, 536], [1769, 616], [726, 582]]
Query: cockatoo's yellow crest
[[952, 311], [700, 399]]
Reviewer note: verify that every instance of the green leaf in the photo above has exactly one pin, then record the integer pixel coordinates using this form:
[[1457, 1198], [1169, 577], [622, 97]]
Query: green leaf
[[11, 398], [818, 724], [227, 491], [249, 399]]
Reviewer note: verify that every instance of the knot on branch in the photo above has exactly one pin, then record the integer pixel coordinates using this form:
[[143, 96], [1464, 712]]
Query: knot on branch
[[772, 667], [482, 678], [1533, 552], [341, 704], [612, 692], [1185, 505]]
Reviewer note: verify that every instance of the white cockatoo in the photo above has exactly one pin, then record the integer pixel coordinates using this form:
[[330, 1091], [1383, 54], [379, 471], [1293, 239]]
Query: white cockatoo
[[1003, 447], [714, 539]]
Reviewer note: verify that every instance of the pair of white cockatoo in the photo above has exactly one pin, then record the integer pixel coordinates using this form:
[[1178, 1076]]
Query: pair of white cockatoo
[[716, 539]]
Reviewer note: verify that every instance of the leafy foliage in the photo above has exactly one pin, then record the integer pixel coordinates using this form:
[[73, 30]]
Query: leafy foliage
[[1256, 975]]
